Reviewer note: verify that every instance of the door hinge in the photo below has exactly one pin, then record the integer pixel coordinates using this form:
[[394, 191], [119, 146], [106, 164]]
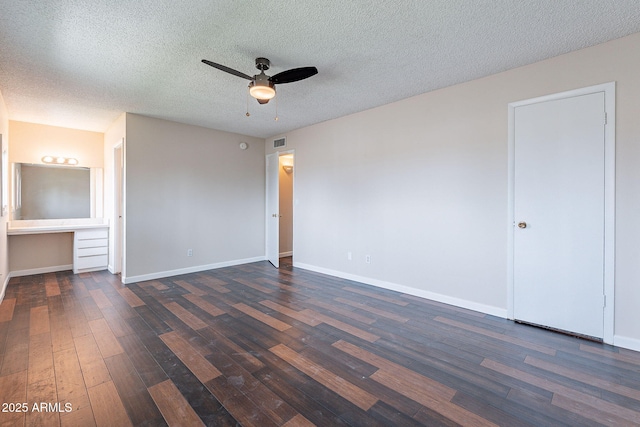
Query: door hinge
[[605, 118], [604, 301]]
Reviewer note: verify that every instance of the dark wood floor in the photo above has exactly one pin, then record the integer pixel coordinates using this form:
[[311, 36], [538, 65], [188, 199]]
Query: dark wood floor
[[255, 346]]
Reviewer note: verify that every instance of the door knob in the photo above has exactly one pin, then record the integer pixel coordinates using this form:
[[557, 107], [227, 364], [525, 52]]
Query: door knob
[[522, 224]]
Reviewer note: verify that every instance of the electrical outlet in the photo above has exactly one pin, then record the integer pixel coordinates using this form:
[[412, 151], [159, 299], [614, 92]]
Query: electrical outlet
[[189, 252], [367, 259], [349, 256]]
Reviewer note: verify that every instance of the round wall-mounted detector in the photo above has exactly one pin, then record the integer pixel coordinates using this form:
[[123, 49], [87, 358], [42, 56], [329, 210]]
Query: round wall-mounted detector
[[244, 145]]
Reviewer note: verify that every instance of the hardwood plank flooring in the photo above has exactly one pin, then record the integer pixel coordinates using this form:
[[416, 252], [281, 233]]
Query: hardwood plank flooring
[[253, 345], [349, 391], [6, 309], [172, 404], [69, 381], [193, 360], [14, 391], [107, 406]]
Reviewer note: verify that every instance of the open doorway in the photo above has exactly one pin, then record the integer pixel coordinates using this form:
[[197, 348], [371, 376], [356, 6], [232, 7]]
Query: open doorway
[[279, 206], [285, 190]]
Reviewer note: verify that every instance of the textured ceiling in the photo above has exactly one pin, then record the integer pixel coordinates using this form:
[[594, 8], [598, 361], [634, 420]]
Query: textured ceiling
[[80, 64]]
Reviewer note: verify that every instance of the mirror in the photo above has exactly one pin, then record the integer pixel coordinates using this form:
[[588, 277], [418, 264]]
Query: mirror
[[55, 192]]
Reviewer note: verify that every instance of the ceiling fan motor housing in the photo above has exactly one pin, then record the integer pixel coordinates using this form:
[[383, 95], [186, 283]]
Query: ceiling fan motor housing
[[262, 64]]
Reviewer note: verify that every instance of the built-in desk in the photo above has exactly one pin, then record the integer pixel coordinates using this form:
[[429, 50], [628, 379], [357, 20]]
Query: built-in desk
[[90, 238]]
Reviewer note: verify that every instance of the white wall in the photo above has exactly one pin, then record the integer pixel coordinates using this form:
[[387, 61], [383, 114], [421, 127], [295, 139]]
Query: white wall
[[4, 249], [31, 141], [421, 185], [189, 187], [36, 253]]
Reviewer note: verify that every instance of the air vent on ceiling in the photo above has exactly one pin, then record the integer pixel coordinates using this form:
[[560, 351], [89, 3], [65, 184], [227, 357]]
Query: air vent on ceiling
[[279, 143]]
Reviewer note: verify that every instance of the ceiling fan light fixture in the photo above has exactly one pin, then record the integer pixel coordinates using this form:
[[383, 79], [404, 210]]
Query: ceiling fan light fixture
[[262, 90]]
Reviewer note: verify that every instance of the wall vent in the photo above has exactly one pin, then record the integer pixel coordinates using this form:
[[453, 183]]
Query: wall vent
[[279, 143]]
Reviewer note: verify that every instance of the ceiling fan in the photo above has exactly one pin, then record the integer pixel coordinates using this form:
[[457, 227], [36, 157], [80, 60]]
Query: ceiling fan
[[263, 87]]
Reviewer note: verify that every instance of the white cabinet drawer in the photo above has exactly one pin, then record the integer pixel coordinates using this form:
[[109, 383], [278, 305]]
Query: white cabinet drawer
[[82, 252], [93, 243], [90, 249], [100, 233], [91, 262]]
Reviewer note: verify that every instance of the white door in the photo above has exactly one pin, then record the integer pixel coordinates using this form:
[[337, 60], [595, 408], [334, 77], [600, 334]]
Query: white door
[[559, 208], [272, 210], [118, 231]]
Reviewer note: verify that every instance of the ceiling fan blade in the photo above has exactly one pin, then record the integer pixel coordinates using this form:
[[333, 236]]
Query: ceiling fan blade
[[294, 75], [227, 70]]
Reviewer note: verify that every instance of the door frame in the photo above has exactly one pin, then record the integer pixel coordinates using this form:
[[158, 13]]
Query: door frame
[[118, 208], [293, 192], [272, 239], [267, 214], [609, 90]]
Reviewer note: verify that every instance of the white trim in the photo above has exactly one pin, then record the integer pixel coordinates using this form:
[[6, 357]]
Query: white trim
[[116, 245], [610, 211], [266, 201], [187, 270], [268, 216], [609, 90], [41, 270], [89, 270], [96, 192], [626, 342], [458, 302], [291, 151]]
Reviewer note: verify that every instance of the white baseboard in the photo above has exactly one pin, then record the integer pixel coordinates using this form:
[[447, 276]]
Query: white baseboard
[[284, 254], [40, 270], [187, 270], [626, 342], [458, 302]]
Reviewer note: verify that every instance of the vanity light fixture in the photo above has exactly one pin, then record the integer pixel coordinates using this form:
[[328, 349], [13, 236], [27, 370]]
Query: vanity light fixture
[[51, 160]]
